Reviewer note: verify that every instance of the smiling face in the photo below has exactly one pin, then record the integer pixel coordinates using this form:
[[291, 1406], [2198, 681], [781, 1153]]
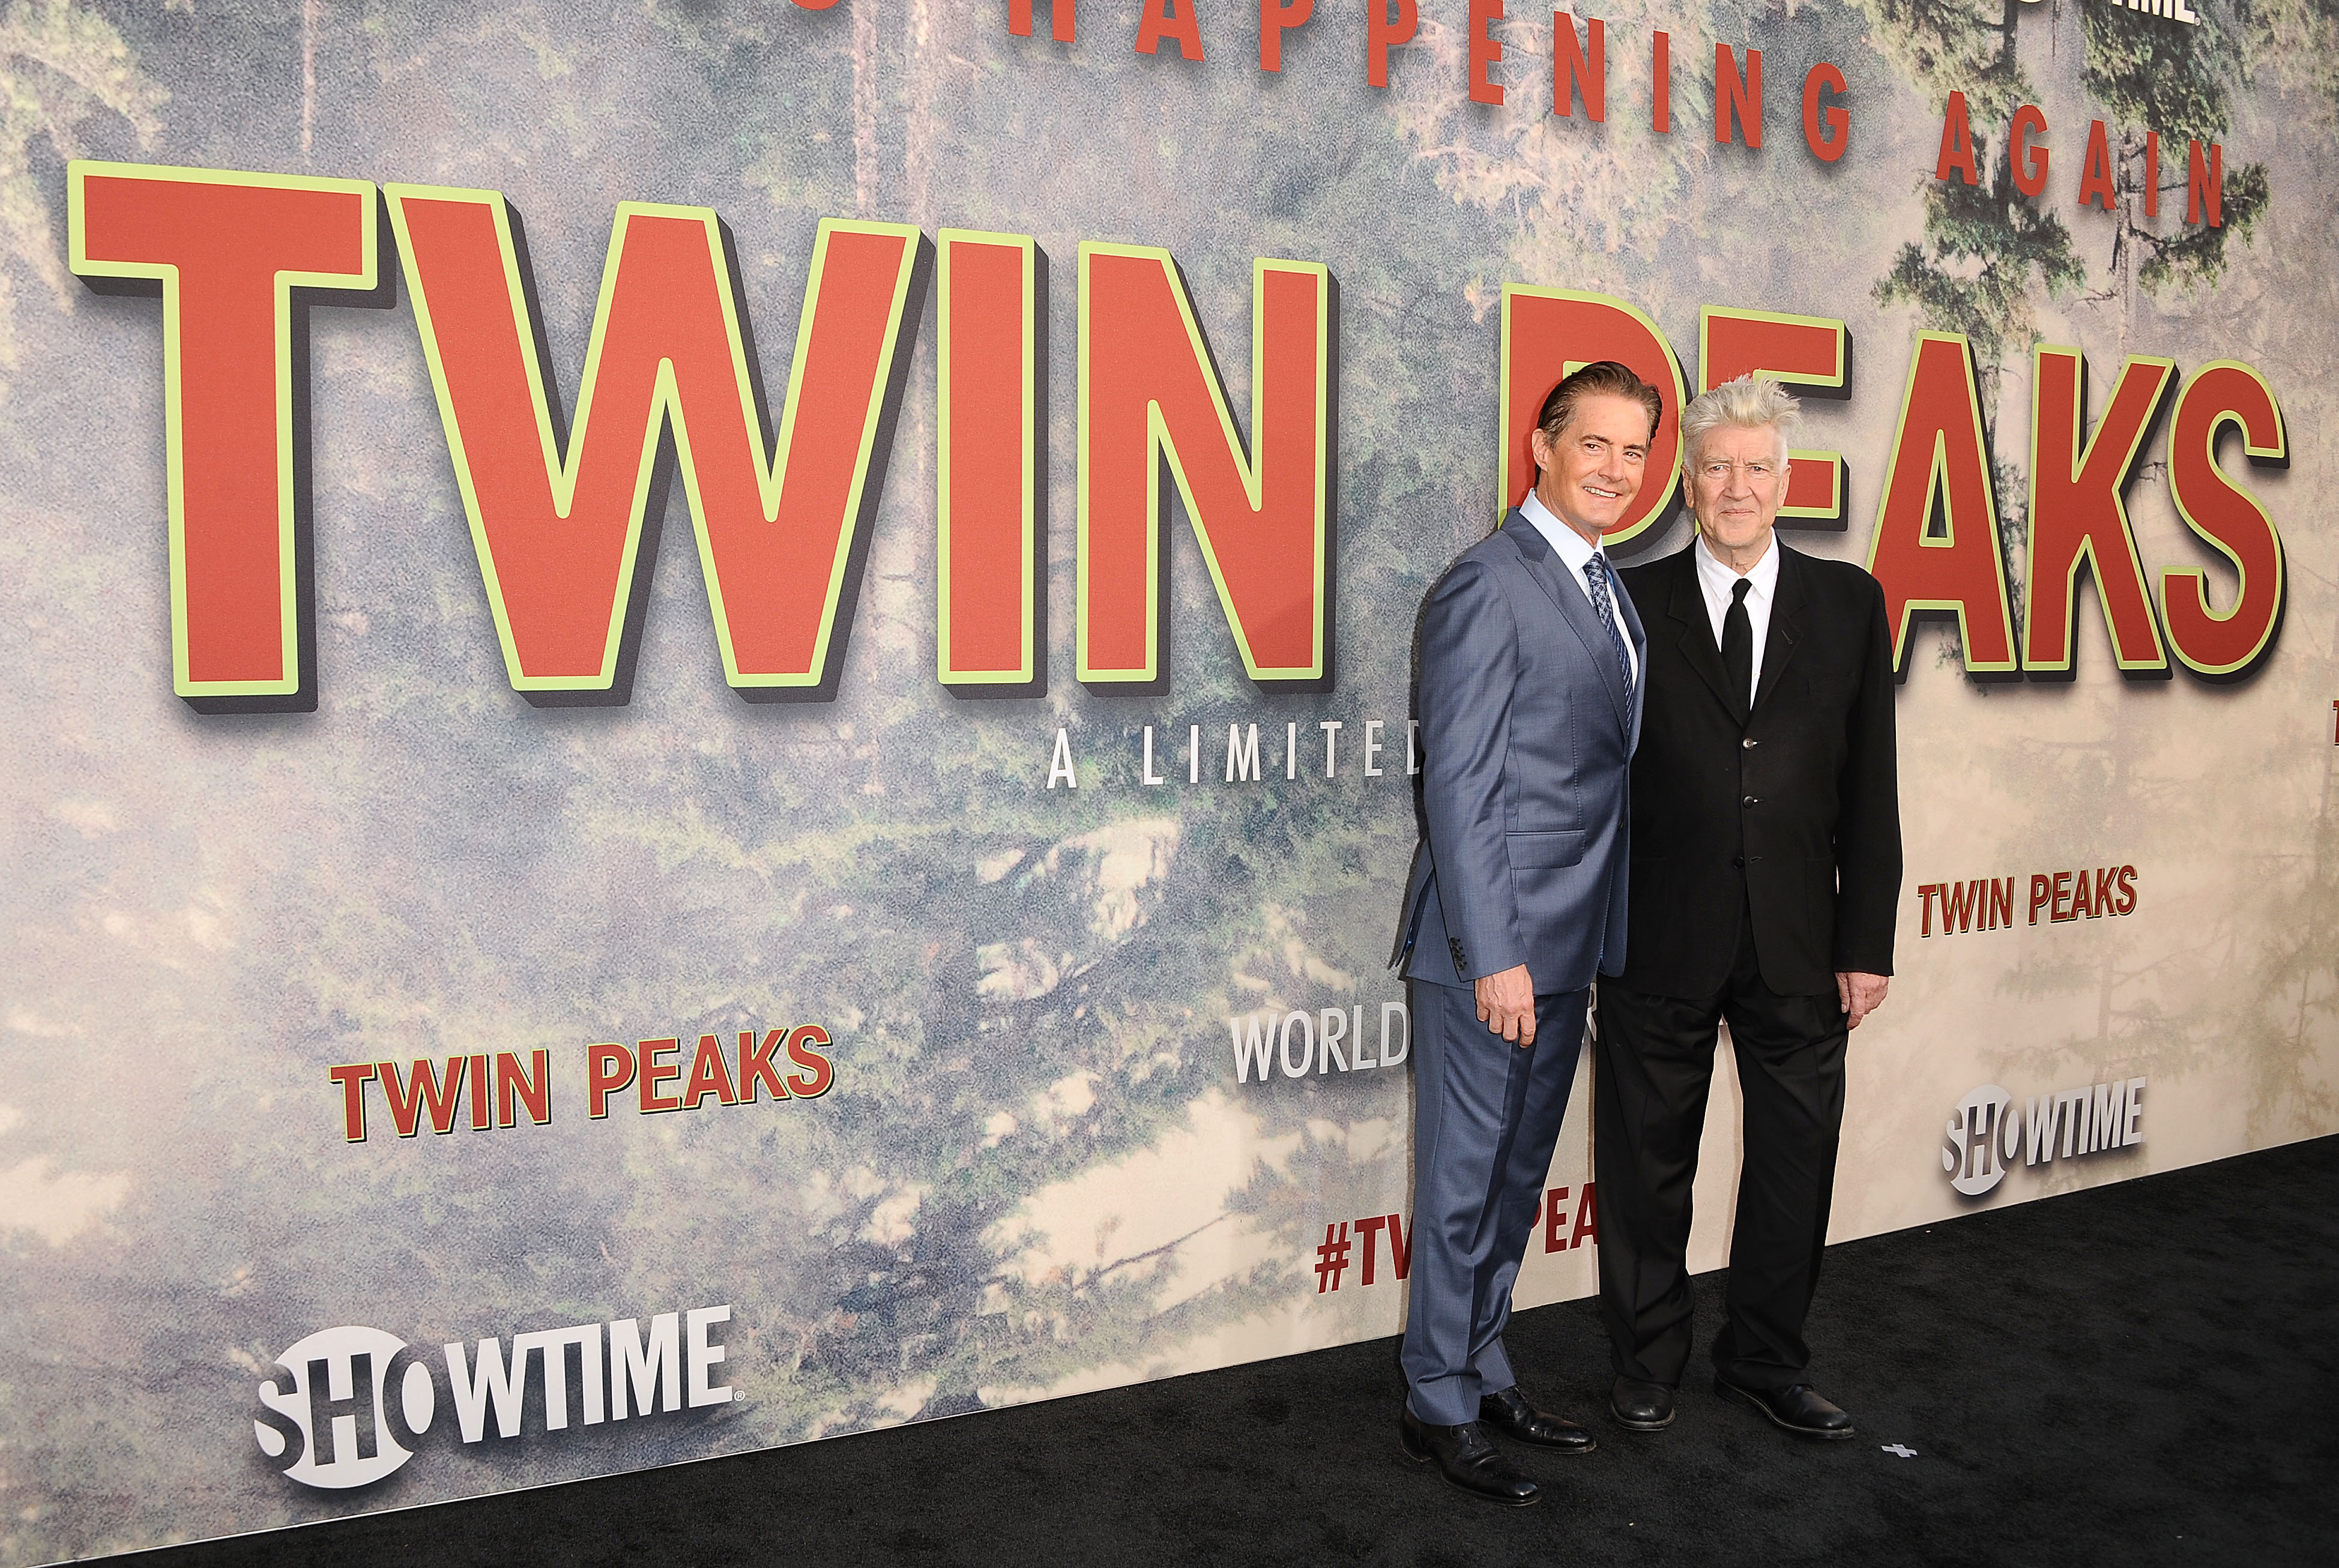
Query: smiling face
[[1592, 469], [1737, 485]]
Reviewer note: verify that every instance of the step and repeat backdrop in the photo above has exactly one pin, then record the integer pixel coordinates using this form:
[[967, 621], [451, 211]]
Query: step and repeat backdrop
[[708, 707]]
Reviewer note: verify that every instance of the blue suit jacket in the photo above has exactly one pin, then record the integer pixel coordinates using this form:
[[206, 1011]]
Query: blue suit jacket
[[1527, 729]]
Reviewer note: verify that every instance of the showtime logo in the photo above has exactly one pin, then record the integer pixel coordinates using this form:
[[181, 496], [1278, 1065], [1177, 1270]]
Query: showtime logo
[[334, 1415], [1989, 1133]]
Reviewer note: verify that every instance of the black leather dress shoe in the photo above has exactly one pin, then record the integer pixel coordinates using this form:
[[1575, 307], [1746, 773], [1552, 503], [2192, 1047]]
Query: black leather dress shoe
[[1468, 1459], [1509, 1414], [1640, 1406], [1799, 1409]]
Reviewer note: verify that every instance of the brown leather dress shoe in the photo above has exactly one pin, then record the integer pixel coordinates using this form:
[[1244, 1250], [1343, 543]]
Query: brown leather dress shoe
[[1469, 1460], [1509, 1414], [1800, 1408]]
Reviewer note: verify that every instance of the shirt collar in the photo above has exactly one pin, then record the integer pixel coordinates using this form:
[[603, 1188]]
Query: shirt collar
[[1763, 578], [1570, 546]]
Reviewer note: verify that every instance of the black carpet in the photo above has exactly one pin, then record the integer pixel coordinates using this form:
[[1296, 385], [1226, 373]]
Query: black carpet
[[2140, 1374]]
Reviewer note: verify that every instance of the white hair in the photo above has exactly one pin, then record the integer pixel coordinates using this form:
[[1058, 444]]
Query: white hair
[[1752, 402]]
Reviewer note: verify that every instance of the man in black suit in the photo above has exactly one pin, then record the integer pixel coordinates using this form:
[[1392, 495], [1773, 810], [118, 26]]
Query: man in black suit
[[1765, 866]]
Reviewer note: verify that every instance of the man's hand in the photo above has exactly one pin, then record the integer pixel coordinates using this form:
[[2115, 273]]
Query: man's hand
[[1861, 994], [1506, 1004]]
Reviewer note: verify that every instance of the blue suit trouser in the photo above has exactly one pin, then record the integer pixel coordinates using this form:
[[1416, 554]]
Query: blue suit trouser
[[1485, 1116]]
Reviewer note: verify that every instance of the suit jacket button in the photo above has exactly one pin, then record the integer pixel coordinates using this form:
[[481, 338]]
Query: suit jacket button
[[1750, 744], [1752, 799], [1739, 861]]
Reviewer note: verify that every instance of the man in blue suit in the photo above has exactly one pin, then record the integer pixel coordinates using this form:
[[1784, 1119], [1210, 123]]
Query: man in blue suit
[[1530, 707]]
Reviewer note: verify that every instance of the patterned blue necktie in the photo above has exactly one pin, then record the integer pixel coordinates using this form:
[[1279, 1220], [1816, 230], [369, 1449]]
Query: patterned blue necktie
[[1595, 573]]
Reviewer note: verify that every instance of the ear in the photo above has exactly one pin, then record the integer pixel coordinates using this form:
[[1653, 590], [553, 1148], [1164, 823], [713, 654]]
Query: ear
[[1540, 445]]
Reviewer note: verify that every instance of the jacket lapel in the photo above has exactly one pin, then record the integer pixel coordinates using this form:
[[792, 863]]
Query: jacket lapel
[[1574, 607], [1786, 607], [1686, 604]]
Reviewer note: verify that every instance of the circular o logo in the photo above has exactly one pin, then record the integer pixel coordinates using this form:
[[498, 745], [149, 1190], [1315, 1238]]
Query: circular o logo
[[1974, 1153], [335, 1398]]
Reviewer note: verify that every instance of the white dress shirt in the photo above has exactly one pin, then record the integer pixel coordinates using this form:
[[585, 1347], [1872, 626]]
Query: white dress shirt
[[1574, 551], [1716, 581]]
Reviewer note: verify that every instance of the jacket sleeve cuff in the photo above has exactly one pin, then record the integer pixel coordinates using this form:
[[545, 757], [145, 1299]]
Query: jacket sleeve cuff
[[1495, 961], [1863, 963]]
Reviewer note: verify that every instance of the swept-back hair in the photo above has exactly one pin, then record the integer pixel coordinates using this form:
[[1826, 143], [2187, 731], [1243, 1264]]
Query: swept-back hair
[[1601, 378], [1750, 403]]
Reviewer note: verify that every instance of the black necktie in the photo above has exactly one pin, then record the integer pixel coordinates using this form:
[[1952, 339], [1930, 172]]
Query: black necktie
[[1738, 651]]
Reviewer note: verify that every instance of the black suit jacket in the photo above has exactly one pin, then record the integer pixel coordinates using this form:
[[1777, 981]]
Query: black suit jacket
[[1794, 813]]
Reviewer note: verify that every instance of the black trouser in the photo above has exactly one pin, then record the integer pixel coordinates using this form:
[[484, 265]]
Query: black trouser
[[1655, 1067]]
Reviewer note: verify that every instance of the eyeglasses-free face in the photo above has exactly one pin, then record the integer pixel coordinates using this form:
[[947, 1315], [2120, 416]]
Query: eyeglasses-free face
[[1736, 488]]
